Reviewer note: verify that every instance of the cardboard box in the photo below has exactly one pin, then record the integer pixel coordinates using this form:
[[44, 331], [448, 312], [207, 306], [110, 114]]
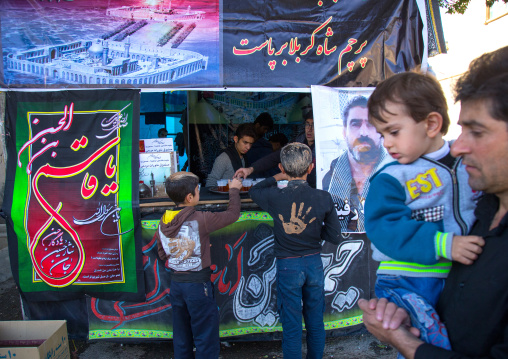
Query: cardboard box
[[33, 339]]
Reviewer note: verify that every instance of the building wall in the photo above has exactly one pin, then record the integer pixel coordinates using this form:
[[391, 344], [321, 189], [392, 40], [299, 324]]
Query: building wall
[[467, 37]]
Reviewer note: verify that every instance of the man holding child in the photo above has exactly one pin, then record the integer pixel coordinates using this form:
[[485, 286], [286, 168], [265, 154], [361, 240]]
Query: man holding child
[[474, 301]]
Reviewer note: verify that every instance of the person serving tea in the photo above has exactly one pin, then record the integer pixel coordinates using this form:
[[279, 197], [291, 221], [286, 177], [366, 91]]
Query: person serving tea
[[233, 157]]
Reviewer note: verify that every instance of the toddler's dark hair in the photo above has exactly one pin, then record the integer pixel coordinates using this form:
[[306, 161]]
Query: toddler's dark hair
[[420, 94]]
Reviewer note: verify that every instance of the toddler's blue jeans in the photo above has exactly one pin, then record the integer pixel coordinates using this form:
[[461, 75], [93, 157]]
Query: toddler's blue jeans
[[418, 296]]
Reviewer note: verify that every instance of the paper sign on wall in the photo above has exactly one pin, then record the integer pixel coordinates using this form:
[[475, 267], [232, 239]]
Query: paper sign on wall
[[156, 145]]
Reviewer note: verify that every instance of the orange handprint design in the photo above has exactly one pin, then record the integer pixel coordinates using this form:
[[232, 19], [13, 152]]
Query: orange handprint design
[[296, 224]]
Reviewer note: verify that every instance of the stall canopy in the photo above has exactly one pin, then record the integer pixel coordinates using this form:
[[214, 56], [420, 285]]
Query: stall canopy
[[194, 44]]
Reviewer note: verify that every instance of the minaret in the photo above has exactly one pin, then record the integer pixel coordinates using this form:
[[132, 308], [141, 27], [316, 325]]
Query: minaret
[[166, 5], [105, 53], [127, 46], [155, 61]]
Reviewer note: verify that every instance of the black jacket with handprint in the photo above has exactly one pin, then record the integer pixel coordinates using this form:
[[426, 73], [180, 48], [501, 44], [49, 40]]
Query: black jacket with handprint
[[302, 216]]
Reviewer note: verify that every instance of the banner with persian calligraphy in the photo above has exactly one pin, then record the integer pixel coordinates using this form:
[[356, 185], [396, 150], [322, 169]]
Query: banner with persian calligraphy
[[215, 43], [319, 42], [244, 275], [71, 195]]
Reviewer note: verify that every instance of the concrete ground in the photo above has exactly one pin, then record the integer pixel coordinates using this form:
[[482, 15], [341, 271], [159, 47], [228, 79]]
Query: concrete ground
[[5, 264], [353, 346], [356, 346]]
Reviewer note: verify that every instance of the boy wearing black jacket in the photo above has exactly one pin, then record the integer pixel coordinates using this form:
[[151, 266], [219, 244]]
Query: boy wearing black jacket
[[303, 217]]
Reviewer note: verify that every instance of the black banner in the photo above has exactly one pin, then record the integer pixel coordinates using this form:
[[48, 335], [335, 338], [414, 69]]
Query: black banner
[[244, 275], [336, 43]]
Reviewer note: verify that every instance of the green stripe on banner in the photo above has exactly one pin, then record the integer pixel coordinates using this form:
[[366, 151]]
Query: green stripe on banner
[[158, 334]]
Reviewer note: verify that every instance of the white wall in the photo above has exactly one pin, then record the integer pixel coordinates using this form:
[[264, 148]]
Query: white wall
[[467, 37]]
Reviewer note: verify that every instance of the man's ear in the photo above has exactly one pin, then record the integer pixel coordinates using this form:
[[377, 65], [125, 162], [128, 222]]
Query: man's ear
[[281, 168], [235, 138], [434, 124], [311, 167]]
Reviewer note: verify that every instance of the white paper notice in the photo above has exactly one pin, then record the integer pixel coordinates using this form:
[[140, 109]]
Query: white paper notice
[[158, 144]]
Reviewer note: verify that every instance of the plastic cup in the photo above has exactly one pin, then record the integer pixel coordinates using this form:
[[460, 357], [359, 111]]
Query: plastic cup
[[282, 184], [222, 185], [246, 184]]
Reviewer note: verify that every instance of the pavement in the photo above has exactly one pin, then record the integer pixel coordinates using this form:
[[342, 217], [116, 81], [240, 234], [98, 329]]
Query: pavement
[[5, 264]]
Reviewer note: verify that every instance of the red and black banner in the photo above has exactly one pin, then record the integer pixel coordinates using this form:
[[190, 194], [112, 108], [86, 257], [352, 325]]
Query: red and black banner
[[71, 193], [244, 275]]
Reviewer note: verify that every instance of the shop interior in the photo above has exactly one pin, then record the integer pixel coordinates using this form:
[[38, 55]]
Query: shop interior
[[200, 125]]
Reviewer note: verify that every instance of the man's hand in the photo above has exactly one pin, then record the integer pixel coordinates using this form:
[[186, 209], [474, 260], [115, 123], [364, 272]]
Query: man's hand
[[465, 249], [235, 183], [390, 324], [389, 314], [243, 172]]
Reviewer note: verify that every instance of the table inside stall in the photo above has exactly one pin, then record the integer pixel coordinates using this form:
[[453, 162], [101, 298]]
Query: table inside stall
[[208, 200]]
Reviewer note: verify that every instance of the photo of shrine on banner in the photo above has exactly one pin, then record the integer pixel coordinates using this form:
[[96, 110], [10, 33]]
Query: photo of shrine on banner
[[142, 43], [71, 193], [348, 150]]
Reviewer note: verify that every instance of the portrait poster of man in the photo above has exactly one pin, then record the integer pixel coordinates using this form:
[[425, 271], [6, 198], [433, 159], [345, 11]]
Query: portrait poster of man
[[348, 150]]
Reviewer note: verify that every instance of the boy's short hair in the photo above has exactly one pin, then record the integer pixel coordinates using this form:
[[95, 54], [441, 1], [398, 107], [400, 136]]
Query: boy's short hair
[[420, 94], [180, 184], [265, 119], [280, 138], [358, 101], [295, 159], [245, 129], [487, 79]]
